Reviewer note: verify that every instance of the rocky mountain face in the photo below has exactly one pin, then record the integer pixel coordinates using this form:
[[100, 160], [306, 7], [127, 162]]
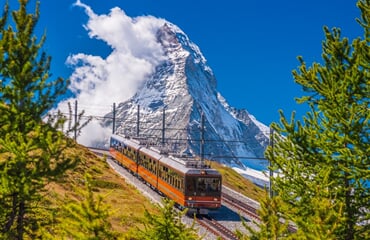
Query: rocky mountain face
[[172, 101]]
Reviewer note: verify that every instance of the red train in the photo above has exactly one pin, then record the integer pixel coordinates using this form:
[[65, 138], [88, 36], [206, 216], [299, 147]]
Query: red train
[[189, 183]]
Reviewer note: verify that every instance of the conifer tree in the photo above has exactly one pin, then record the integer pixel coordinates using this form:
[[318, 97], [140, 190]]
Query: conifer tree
[[167, 225], [31, 148], [87, 219], [273, 228], [323, 163]]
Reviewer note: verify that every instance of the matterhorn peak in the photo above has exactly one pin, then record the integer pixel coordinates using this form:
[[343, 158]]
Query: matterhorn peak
[[167, 37], [173, 99]]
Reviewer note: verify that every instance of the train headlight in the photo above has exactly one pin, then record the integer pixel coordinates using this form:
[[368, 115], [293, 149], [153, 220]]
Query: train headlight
[[215, 199], [190, 198]]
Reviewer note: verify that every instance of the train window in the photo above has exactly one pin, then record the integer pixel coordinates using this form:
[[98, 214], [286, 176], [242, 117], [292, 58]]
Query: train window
[[150, 165], [209, 184], [201, 185], [179, 182], [142, 159], [163, 172], [112, 142]]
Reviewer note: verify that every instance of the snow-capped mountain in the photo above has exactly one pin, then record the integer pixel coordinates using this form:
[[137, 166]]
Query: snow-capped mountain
[[182, 88]]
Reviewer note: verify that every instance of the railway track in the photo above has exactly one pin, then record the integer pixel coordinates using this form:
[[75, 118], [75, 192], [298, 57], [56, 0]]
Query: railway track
[[216, 228], [248, 210], [241, 206]]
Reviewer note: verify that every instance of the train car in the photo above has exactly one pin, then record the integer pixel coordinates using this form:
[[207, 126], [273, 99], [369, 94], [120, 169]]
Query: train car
[[189, 183]]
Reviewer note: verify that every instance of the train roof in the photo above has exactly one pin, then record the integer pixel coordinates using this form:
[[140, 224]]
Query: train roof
[[183, 166], [152, 153], [126, 141], [186, 168]]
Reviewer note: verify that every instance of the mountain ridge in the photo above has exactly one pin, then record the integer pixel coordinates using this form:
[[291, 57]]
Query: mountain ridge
[[181, 90]]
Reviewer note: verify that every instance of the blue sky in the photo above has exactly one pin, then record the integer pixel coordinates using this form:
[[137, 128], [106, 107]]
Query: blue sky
[[251, 45]]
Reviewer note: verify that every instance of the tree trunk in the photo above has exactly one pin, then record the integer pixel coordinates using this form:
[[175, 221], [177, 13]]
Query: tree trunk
[[349, 212], [12, 214], [20, 219]]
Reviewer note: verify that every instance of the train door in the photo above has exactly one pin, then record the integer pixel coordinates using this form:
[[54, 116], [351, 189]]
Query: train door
[[137, 160], [190, 186], [156, 170]]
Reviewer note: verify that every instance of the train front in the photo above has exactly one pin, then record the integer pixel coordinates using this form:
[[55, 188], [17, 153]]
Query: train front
[[203, 189]]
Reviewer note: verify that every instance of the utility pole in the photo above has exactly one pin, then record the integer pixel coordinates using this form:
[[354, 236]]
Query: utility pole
[[114, 118], [138, 121], [75, 127], [163, 125], [202, 138], [271, 172]]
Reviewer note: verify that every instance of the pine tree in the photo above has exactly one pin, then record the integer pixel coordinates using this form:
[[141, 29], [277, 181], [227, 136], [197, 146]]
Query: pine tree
[[87, 219], [273, 228], [167, 225], [31, 149], [323, 163]]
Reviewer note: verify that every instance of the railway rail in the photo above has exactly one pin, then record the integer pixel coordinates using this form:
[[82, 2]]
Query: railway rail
[[241, 206], [213, 226], [248, 210]]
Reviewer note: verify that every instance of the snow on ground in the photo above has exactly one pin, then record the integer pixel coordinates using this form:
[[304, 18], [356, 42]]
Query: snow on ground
[[260, 178]]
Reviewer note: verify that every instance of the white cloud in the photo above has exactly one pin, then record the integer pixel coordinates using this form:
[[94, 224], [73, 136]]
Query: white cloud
[[98, 82]]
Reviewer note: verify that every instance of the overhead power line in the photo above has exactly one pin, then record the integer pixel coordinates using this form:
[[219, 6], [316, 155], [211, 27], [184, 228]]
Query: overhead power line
[[144, 126]]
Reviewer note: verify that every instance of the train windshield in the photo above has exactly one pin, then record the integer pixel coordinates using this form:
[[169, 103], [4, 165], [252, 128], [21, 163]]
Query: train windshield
[[202, 186]]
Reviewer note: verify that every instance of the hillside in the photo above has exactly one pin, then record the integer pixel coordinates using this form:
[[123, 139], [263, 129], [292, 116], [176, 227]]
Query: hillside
[[233, 180], [126, 203]]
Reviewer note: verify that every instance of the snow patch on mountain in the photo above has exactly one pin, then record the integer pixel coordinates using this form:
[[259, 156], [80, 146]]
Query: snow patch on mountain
[[181, 90]]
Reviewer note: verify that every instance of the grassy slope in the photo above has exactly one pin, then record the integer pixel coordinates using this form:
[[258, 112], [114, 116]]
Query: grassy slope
[[127, 203], [235, 181]]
